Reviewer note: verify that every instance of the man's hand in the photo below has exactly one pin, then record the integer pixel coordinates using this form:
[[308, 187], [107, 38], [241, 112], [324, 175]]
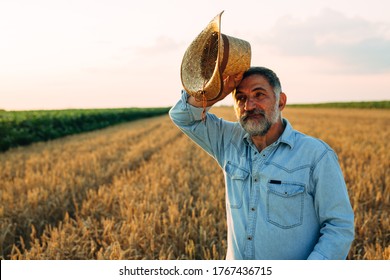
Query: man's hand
[[229, 84]]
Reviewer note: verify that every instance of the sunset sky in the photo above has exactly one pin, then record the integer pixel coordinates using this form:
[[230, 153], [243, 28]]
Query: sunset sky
[[121, 53]]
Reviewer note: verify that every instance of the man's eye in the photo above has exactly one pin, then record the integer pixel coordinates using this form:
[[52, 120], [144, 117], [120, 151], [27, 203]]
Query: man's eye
[[240, 98], [259, 94]]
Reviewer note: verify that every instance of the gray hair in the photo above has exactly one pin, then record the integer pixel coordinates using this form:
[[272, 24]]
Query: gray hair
[[269, 75]]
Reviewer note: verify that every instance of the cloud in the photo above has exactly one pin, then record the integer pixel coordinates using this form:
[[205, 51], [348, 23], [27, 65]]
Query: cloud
[[353, 44], [161, 45], [130, 59]]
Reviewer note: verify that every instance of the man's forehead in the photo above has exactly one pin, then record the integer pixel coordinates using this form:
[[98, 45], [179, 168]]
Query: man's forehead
[[253, 83]]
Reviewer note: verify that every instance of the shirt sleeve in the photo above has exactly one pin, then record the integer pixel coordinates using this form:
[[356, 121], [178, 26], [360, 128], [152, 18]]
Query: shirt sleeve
[[208, 134], [333, 209]]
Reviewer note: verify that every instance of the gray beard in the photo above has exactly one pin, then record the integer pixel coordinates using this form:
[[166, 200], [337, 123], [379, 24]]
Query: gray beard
[[256, 127], [259, 127]]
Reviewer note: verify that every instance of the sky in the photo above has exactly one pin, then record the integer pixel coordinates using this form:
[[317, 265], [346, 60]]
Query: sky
[[116, 53]]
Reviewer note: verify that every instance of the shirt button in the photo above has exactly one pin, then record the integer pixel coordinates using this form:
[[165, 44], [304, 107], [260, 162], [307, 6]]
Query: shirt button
[[249, 237], [253, 209]]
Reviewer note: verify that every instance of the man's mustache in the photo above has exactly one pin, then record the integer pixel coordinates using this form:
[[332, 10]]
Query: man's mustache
[[254, 112]]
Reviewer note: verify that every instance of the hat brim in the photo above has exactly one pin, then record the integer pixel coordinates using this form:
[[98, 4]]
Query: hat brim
[[211, 56], [200, 71]]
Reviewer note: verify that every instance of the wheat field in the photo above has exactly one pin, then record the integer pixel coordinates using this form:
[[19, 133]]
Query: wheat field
[[142, 190]]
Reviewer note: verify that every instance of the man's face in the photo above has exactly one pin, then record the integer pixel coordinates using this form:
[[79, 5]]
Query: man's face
[[256, 106]]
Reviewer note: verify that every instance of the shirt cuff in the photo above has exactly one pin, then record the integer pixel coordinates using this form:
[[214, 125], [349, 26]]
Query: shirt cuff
[[196, 112]]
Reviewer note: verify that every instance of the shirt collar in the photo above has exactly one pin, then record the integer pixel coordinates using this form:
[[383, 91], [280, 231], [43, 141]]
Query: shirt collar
[[287, 136]]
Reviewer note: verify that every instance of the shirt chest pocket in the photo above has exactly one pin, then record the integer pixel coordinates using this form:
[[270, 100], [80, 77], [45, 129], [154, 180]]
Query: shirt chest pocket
[[237, 180], [285, 203]]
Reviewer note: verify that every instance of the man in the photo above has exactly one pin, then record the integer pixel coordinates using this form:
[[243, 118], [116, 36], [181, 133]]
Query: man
[[285, 193]]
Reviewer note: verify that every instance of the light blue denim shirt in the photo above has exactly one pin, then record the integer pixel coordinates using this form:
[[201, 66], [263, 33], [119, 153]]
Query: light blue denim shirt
[[288, 201]]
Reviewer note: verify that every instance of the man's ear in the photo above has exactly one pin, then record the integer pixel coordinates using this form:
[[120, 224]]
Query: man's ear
[[282, 101]]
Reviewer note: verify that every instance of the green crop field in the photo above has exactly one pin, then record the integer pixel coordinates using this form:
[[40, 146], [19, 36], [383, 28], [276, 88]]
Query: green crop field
[[25, 127]]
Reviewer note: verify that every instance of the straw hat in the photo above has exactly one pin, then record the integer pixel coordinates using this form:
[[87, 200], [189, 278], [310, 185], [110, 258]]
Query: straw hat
[[211, 56]]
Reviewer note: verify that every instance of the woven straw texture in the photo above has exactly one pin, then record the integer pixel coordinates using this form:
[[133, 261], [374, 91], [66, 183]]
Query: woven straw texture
[[201, 72]]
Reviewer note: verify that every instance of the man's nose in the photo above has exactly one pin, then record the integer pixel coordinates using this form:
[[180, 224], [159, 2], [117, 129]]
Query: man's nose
[[249, 104]]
